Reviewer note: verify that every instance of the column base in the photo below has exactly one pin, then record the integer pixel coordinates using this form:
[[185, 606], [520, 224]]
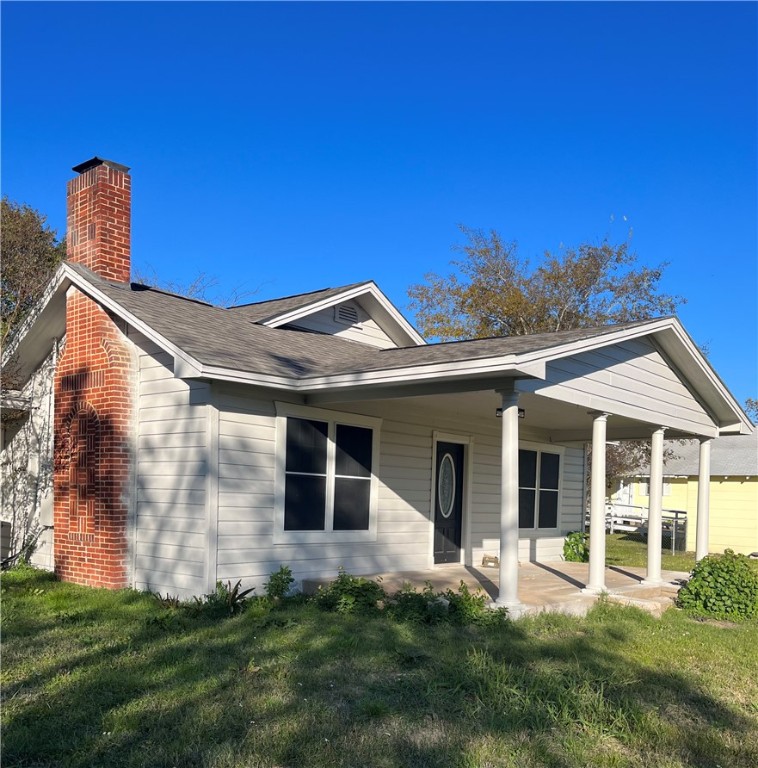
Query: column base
[[515, 608], [591, 590], [653, 582]]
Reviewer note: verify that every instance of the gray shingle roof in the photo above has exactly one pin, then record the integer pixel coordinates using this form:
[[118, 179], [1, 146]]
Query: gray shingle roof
[[230, 339], [731, 455], [259, 311]]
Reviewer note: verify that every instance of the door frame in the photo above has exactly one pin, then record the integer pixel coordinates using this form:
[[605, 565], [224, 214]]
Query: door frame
[[467, 441]]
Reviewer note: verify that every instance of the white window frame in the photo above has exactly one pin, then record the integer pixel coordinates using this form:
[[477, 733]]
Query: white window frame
[[332, 418], [560, 451]]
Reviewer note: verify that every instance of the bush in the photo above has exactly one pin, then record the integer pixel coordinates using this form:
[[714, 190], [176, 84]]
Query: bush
[[279, 583], [723, 586], [225, 601], [576, 548], [349, 594], [429, 607]]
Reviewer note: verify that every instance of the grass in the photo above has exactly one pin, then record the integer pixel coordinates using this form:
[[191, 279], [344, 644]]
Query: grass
[[98, 678], [621, 549]]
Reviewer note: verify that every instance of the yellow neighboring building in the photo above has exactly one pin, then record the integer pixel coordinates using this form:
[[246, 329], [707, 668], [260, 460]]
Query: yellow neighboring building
[[733, 497]]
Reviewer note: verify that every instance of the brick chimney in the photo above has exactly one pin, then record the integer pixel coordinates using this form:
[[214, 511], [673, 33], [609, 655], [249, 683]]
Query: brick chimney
[[99, 218], [94, 377]]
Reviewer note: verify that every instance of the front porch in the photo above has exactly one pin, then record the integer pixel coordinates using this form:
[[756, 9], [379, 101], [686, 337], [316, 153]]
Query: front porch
[[554, 587]]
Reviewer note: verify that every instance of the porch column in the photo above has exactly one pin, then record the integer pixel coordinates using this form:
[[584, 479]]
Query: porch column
[[703, 499], [654, 515], [508, 590], [596, 583]]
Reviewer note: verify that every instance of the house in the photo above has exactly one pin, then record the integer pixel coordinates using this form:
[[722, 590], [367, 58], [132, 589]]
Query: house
[[189, 443], [733, 503]]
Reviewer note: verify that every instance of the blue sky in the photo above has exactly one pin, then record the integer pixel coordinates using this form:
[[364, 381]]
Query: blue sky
[[286, 147]]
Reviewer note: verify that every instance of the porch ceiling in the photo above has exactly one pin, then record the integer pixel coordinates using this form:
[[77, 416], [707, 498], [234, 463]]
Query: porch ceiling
[[552, 419]]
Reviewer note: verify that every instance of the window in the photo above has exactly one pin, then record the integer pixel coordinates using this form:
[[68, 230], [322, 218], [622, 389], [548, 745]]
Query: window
[[327, 484], [645, 488], [539, 482]]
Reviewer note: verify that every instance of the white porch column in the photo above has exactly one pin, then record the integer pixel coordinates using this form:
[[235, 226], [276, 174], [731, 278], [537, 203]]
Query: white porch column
[[703, 499], [508, 590], [596, 583], [654, 516]]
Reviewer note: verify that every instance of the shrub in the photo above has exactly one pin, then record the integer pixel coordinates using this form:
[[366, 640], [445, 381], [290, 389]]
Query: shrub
[[429, 607], [225, 601], [725, 587], [576, 548], [349, 594], [279, 583]]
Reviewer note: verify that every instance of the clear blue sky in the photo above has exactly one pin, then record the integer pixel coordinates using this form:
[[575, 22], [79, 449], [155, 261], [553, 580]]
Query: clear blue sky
[[288, 147]]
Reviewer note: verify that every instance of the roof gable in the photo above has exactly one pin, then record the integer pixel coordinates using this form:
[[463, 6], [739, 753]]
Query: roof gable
[[292, 310]]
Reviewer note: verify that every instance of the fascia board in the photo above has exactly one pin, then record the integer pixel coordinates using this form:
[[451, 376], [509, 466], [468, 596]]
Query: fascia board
[[276, 321], [597, 342], [463, 370], [684, 353], [56, 284]]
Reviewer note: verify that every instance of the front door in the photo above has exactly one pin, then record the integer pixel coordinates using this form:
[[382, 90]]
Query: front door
[[448, 505]]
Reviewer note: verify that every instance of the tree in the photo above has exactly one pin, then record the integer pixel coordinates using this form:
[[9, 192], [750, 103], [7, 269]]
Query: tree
[[31, 254], [751, 409], [496, 292]]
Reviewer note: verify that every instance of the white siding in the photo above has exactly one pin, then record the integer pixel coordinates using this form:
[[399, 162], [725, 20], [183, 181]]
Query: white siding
[[171, 512], [26, 463], [630, 379], [246, 549], [367, 331]]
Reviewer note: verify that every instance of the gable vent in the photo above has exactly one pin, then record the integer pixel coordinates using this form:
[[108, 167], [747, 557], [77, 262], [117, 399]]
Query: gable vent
[[346, 314]]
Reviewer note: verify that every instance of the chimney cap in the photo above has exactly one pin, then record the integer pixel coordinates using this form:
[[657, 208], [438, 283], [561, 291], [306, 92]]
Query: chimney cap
[[95, 161]]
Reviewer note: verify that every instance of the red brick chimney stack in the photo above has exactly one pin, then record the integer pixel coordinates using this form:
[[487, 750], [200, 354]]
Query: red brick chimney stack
[[99, 218], [94, 385]]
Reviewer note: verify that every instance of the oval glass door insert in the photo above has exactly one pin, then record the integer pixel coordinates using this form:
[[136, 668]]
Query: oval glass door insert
[[446, 485]]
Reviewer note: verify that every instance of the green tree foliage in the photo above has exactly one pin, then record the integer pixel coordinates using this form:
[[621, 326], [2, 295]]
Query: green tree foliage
[[31, 253], [495, 291]]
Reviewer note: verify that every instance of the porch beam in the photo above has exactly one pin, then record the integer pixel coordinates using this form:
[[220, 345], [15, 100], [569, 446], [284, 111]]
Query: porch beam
[[596, 583], [703, 500], [655, 510], [509, 523]]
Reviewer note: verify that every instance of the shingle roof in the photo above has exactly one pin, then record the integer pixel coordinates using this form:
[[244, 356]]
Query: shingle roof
[[259, 311], [731, 455], [229, 339]]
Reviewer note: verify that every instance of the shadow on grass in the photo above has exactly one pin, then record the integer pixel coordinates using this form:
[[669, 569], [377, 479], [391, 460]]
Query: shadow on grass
[[125, 683]]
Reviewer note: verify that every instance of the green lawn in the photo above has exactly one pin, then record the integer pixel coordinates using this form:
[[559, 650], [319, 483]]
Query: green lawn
[[97, 678], [621, 549]]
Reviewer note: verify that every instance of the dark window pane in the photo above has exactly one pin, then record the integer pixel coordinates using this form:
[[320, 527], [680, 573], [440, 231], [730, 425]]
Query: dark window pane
[[548, 509], [526, 508], [353, 451], [306, 445], [549, 470], [351, 504], [304, 503], [527, 469]]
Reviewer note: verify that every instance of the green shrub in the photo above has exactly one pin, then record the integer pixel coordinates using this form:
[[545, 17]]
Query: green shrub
[[225, 601], [349, 594], [576, 548], [725, 587], [279, 583], [429, 607]]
